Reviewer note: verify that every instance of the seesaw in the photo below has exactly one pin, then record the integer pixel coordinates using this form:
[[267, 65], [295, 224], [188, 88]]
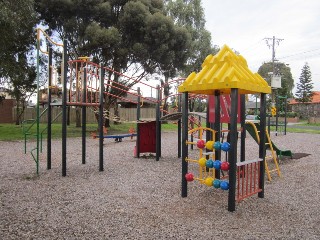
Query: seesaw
[[117, 138]]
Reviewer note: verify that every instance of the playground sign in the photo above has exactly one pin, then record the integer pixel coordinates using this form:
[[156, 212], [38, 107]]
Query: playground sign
[[225, 109]]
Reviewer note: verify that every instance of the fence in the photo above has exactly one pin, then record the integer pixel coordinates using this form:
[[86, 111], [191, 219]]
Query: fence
[[125, 114]]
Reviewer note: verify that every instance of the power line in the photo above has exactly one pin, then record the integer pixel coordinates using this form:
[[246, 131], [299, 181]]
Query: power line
[[300, 53]]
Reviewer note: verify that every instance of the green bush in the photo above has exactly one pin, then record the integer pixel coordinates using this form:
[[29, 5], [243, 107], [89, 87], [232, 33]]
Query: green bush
[[289, 114]]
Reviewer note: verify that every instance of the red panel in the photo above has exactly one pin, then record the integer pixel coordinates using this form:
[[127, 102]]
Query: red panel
[[225, 108], [147, 137]]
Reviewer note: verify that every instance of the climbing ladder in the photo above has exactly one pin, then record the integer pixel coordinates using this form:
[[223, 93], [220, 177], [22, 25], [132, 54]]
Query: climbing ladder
[[269, 146], [273, 157]]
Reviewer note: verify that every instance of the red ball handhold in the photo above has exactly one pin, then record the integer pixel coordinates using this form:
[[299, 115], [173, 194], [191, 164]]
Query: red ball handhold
[[189, 177], [225, 166], [201, 143]]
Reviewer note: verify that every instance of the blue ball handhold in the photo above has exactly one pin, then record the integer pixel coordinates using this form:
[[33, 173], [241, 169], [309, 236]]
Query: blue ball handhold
[[209, 163], [217, 145], [216, 183], [217, 164], [225, 146], [224, 185]]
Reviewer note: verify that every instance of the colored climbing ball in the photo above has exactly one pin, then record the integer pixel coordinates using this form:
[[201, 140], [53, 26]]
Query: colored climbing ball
[[224, 185], [209, 145], [216, 183], [217, 164], [202, 162], [225, 146], [209, 163], [225, 166], [201, 143], [208, 181], [217, 145], [189, 177]]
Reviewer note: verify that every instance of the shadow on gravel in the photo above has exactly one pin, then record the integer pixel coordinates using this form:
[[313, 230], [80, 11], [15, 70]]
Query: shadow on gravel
[[299, 155]]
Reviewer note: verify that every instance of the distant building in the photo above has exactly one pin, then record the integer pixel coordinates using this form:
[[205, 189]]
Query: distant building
[[308, 109], [130, 101]]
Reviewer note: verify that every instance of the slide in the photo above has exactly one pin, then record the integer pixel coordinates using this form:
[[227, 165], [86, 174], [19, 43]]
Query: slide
[[252, 128]]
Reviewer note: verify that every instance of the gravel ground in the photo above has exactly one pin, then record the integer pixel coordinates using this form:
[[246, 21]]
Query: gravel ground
[[140, 198]]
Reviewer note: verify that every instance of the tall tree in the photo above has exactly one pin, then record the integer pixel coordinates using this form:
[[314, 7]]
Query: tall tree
[[119, 34], [304, 87], [17, 21], [190, 14]]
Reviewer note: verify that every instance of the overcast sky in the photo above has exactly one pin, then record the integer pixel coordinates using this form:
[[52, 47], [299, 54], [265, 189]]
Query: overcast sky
[[243, 25]]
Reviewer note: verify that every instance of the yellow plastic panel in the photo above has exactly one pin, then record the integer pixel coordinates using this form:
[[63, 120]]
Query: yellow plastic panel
[[222, 72]]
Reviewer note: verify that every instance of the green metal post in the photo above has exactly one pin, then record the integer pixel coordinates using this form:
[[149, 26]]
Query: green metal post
[[38, 109]]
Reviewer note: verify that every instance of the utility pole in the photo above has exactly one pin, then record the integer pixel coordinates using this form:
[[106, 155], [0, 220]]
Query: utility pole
[[274, 101], [273, 41]]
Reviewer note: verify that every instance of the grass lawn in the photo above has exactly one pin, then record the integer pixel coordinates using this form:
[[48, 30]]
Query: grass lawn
[[11, 132]]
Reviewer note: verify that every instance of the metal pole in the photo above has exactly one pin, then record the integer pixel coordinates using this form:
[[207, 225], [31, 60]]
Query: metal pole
[[38, 107], [277, 112], [158, 125], [262, 146], [49, 122], [285, 116], [101, 122], [138, 125], [217, 128], [84, 112], [179, 127], [184, 170], [64, 110], [243, 130], [233, 150]]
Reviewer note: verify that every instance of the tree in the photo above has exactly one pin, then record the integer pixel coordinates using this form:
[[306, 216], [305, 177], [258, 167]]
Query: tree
[[287, 82], [304, 87], [190, 14], [130, 36], [17, 21]]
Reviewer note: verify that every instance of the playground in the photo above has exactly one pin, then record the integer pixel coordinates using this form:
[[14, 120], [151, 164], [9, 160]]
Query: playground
[[139, 198], [129, 189]]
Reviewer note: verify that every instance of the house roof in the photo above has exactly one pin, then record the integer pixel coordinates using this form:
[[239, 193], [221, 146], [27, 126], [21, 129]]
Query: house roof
[[315, 98], [222, 72]]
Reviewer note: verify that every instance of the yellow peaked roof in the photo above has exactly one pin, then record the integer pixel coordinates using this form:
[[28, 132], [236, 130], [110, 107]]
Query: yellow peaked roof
[[222, 72]]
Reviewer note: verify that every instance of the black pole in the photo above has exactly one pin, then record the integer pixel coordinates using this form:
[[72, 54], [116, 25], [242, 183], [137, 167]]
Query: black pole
[[64, 110], [277, 113], [208, 133], [243, 130], [49, 111], [84, 113], [233, 150], [179, 127], [269, 124], [217, 128], [138, 124], [158, 125], [101, 122], [285, 116], [184, 183], [262, 146]]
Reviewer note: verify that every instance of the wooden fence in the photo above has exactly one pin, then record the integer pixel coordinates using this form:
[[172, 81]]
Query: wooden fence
[[125, 114]]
